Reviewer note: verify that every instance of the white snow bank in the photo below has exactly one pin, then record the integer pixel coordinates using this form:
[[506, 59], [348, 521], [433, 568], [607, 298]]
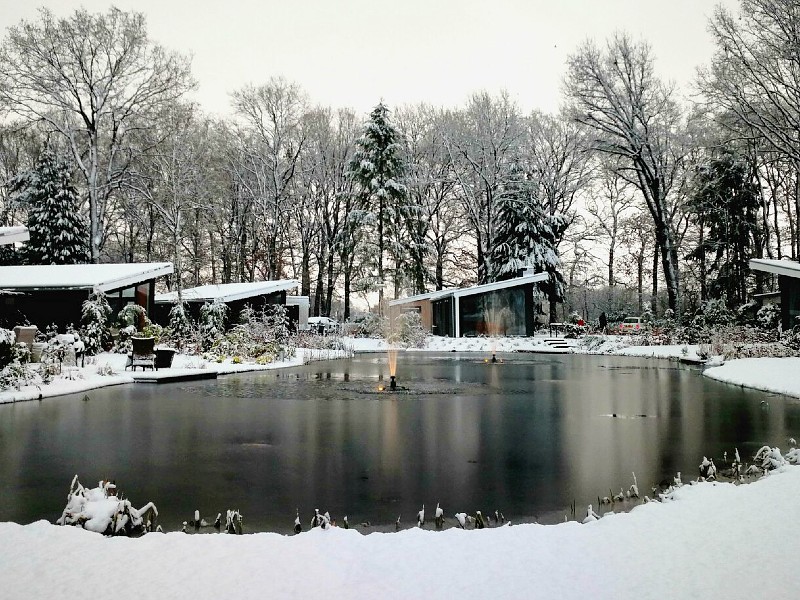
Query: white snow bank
[[779, 375], [715, 541]]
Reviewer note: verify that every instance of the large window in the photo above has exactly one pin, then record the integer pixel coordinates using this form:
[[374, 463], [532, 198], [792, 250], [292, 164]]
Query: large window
[[500, 312]]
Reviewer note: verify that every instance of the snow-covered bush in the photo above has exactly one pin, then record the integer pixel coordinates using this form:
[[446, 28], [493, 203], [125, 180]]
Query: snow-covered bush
[[769, 458], [95, 315], [7, 340], [180, 330], [102, 511], [768, 316], [212, 322], [412, 333], [371, 326], [717, 314], [132, 315], [15, 375]]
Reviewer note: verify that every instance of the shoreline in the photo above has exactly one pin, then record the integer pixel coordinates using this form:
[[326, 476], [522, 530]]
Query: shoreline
[[772, 375]]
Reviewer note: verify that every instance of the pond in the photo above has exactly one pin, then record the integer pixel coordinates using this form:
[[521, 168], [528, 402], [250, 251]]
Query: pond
[[526, 436]]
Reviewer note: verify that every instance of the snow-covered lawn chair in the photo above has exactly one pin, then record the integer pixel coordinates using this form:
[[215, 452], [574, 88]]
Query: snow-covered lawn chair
[[143, 354]]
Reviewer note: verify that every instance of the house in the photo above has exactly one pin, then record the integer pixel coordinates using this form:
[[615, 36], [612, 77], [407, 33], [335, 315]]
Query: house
[[257, 294], [45, 294], [788, 272], [12, 235], [500, 308]]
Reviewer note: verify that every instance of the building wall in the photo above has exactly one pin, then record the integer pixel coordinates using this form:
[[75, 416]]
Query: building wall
[[423, 307]]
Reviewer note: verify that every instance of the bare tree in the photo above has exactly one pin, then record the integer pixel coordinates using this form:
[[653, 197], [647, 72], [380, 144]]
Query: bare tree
[[631, 115], [483, 142], [93, 78], [618, 202]]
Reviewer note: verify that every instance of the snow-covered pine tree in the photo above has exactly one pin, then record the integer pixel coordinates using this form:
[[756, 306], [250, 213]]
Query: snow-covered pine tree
[[376, 168], [95, 332], [58, 234], [524, 234], [212, 321]]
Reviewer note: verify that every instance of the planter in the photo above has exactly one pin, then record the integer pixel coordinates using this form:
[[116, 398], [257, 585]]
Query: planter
[[164, 357]]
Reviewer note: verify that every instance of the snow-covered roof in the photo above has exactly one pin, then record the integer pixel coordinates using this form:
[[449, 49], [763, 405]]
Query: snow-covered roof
[[789, 268], [475, 289], [105, 277], [11, 235], [228, 292]]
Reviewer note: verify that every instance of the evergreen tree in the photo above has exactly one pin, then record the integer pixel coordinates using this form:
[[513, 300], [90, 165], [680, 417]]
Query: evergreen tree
[[376, 168], [726, 201], [57, 230], [525, 235]]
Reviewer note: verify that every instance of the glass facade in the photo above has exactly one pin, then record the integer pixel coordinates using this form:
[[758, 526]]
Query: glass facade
[[499, 312], [790, 301]]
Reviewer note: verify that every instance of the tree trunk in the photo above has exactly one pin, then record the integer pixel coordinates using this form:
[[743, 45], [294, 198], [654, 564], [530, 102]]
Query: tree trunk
[[654, 296]]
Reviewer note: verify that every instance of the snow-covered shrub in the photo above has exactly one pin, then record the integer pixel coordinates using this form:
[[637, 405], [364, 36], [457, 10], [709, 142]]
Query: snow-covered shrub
[[768, 316], [180, 330], [573, 331], [95, 332], [15, 375], [769, 458], [717, 314], [105, 370], [704, 351], [746, 313], [123, 345], [101, 510], [7, 341], [212, 322], [371, 326], [132, 315], [153, 330], [412, 333]]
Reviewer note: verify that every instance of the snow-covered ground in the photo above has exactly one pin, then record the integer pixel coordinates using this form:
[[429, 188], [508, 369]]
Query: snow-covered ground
[[779, 375], [714, 541]]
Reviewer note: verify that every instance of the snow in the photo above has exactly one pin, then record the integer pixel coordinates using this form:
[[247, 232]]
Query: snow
[[713, 541], [228, 292], [779, 375], [103, 277]]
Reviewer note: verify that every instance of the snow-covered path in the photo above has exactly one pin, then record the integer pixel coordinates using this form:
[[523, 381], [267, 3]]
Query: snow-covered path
[[714, 541]]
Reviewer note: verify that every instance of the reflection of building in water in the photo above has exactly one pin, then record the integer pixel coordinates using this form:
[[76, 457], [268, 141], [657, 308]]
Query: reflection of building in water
[[502, 308]]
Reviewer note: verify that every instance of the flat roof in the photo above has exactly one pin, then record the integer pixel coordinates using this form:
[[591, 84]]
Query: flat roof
[[472, 290], [103, 277], [12, 235], [228, 292], [789, 268]]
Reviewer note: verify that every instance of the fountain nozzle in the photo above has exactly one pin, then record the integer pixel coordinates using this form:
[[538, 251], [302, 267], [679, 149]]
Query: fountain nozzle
[[392, 383], [494, 357]]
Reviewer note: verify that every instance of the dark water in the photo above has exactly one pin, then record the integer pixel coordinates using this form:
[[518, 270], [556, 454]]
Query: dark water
[[526, 436]]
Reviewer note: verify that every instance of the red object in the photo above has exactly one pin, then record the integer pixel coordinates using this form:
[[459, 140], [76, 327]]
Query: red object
[[581, 322]]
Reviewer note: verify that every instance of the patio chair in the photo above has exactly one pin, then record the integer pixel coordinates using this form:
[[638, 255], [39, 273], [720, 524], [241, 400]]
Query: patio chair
[[26, 334], [143, 354]]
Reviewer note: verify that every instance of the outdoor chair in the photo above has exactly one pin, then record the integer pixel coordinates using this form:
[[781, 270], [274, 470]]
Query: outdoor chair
[[143, 354]]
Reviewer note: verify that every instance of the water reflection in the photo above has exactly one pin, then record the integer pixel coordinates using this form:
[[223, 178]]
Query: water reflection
[[525, 436]]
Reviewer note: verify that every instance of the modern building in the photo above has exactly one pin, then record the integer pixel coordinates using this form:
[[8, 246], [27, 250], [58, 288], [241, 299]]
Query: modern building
[[13, 235], [502, 308], [236, 296], [45, 294], [788, 272]]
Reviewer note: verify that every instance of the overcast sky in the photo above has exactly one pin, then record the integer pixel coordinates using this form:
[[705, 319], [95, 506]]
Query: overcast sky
[[356, 52]]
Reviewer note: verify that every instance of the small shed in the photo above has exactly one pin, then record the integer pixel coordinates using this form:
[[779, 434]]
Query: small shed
[[788, 272], [45, 294], [501, 308], [257, 294]]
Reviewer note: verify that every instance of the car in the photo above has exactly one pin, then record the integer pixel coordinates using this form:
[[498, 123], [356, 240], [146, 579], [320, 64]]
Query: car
[[631, 325], [323, 324]]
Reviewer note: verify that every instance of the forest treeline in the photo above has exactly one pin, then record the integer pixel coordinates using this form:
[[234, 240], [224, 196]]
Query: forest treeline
[[635, 193]]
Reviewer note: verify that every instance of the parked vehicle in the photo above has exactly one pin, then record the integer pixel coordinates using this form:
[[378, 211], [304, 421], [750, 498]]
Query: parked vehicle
[[323, 325], [631, 325]]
